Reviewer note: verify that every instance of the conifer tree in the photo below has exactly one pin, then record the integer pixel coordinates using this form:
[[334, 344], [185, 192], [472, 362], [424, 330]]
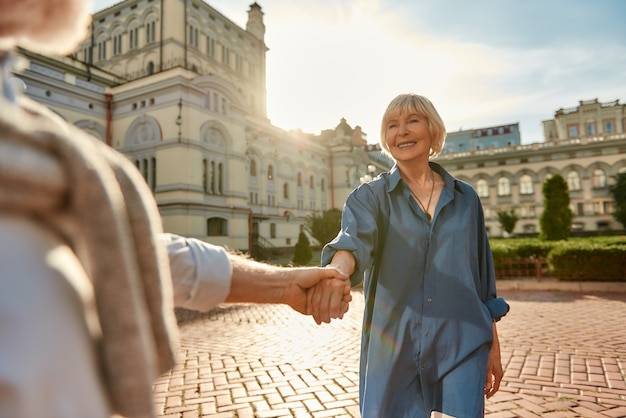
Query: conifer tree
[[556, 219]]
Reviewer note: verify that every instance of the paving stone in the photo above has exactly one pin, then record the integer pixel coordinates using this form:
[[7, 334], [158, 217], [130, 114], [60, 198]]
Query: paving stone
[[562, 359]]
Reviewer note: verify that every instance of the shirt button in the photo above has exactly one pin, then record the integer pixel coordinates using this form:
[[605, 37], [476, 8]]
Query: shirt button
[[429, 300], [428, 334]]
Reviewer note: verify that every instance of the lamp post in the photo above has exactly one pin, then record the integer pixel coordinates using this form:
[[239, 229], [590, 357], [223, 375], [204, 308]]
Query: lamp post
[[179, 119], [371, 168]]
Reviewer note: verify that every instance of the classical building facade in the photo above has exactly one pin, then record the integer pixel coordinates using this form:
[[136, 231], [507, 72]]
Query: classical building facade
[[180, 89], [586, 145]]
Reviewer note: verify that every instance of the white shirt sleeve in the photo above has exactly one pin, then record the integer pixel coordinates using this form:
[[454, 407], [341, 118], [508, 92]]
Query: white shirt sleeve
[[201, 272]]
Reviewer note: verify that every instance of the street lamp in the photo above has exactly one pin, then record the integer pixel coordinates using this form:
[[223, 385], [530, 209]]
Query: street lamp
[[179, 119], [371, 168]]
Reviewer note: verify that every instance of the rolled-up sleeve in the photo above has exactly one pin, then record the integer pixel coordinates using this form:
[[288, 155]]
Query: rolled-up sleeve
[[201, 272], [358, 232]]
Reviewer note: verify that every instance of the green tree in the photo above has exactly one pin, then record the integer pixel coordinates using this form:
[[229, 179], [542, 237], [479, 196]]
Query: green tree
[[507, 219], [302, 253], [325, 226], [619, 195], [556, 219]]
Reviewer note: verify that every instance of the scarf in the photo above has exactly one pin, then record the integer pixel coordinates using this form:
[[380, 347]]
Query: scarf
[[99, 204]]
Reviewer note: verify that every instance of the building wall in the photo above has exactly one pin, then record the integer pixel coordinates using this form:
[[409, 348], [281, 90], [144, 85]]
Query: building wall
[[513, 177], [590, 118], [194, 124], [483, 138]]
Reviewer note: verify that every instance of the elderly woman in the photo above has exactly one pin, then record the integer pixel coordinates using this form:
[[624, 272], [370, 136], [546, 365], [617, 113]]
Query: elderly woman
[[429, 343]]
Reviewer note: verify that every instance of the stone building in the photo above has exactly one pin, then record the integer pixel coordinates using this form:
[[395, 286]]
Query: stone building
[[482, 138], [180, 89], [586, 145]]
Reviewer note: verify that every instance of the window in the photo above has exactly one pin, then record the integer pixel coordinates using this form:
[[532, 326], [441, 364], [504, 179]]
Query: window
[[529, 228], [117, 43], [193, 35], [591, 128], [597, 208], [252, 168], [323, 185], [598, 179], [150, 67], [526, 185], [147, 168], [572, 130], [205, 177], [225, 55], [150, 31], [133, 36], [216, 227], [311, 182], [504, 186], [270, 172], [102, 50], [220, 178], [299, 179], [286, 190], [210, 46], [573, 180], [609, 126], [272, 230], [482, 188], [580, 209], [238, 63], [212, 177]]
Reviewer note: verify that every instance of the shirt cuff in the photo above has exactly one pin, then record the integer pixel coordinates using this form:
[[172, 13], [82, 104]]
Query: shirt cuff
[[201, 273], [498, 308]]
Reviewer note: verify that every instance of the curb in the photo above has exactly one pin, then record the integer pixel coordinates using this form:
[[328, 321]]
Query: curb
[[550, 285]]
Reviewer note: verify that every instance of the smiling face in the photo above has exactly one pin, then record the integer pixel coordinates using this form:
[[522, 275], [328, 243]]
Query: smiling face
[[411, 124], [407, 136]]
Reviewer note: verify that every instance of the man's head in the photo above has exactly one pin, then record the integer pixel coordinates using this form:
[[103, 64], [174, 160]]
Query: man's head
[[45, 26]]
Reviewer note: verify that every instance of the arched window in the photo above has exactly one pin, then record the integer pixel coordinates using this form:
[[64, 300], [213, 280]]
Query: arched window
[[504, 186], [216, 227], [117, 41], [286, 190], [270, 172], [599, 179], [526, 184], [482, 188], [133, 35], [573, 180], [252, 168], [150, 24]]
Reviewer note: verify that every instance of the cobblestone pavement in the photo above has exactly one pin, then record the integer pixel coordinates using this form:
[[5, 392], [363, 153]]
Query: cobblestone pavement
[[564, 355]]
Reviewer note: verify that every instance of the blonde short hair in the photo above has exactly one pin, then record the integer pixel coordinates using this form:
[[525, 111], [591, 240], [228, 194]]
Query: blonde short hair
[[419, 105]]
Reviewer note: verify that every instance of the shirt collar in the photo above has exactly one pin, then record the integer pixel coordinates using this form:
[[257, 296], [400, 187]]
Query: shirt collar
[[450, 182]]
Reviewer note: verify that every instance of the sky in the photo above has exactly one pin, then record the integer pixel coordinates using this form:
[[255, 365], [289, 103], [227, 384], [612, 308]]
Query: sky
[[481, 62]]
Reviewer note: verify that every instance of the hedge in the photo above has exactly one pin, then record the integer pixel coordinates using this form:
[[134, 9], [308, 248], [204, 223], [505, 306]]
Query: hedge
[[576, 259]]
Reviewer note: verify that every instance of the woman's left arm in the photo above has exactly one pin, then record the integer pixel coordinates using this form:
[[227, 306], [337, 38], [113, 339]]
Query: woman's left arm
[[494, 366]]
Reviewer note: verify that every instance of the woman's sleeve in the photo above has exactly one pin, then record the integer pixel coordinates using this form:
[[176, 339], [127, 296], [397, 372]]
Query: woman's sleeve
[[201, 272], [497, 306], [358, 232]]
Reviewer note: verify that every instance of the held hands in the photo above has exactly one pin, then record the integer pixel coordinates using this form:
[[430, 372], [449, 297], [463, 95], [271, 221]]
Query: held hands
[[323, 292]]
